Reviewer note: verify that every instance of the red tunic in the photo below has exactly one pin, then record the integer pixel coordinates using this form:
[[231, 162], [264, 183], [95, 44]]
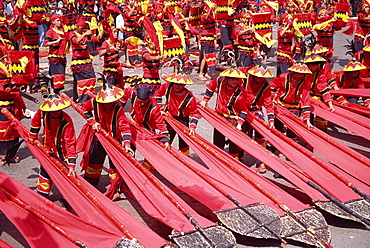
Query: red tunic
[[258, 95], [57, 50], [320, 80], [179, 105], [114, 122], [294, 95], [230, 102], [148, 116], [58, 135]]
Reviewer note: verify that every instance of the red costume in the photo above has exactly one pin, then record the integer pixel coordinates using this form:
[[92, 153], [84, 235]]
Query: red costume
[[114, 121], [148, 116], [59, 138], [57, 56], [344, 82], [112, 65], [151, 69], [231, 103], [181, 107], [81, 66], [13, 102], [294, 95]]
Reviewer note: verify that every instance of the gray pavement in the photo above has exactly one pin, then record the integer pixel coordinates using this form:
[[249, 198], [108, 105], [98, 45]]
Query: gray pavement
[[344, 233]]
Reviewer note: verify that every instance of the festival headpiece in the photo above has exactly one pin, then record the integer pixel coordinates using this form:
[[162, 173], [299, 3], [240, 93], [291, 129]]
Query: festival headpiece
[[179, 78], [318, 49], [54, 103], [314, 58], [300, 67], [354, 65], [234, 72], [109, 93], [260, 71]]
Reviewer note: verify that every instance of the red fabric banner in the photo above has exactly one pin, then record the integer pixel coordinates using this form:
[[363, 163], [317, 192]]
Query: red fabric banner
[[185, 179], [305, 160], [153, 201], [45, 224], [247, 144], [83, 205], [344, 118], [353, 107], [221, 173], [341, 155], [351, 92], [262, 23]]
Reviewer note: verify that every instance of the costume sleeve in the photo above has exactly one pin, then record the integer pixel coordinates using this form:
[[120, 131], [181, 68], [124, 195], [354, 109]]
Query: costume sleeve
[[161, 91], [88, 107], [70, 142], [305, 101], [194, 114], [124, 127], [211, 88], [267, 103], [323, 85], [19, 106], [36, 123], [105, 45], [49, 36], [161, 125], [242, 102], [275, 85]]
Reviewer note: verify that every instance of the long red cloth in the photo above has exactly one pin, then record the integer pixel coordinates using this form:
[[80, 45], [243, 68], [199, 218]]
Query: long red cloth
[[351, 92], [336, 152], [153, 201], [88, 210], [38, 219], [344, 118], [353, 107], [185, 179], [222, 174], [305, 160], [247, 144]]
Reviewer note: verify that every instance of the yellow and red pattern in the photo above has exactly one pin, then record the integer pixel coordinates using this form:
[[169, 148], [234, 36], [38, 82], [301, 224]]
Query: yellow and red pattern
[[54, 103], [179, 78], [312, 58], [300, 67], [304, 22], [222, 9], [342, 11], [261, 71], [261, 22], [22, 66], [318, 49], [109, 93], [194, 15], [233, 72], [366, 49], [354, 65], [172, 47]]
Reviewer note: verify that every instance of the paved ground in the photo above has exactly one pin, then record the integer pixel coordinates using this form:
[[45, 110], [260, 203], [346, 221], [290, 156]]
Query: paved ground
[[344, 233]]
